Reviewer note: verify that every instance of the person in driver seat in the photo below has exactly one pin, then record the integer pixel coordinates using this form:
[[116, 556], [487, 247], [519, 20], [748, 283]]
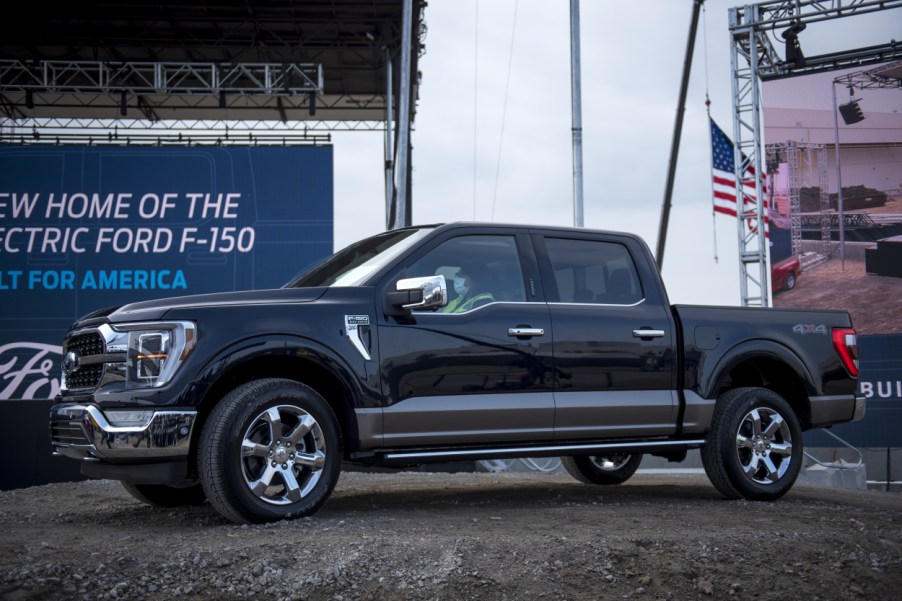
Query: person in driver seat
[[467, 283]]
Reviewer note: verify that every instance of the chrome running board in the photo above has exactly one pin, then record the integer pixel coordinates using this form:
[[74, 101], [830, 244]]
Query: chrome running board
[[572, 449]]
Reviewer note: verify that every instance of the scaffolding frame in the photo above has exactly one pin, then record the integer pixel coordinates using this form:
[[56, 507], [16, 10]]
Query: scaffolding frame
[[754, 59], [793, 153]]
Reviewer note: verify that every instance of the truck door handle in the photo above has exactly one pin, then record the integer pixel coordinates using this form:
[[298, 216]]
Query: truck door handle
[[648, 333], [525, 332]]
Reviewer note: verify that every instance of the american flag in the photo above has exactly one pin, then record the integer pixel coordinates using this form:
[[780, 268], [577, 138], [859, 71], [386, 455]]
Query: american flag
[[725, 180]]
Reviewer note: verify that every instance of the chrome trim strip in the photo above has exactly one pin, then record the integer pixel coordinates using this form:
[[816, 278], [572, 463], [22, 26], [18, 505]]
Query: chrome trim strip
[[572, 304], [527, 450], [479, 308], [167, 434]]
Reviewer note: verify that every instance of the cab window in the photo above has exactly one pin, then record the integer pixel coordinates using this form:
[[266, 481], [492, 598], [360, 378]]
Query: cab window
[[593, 272], [478, 270]]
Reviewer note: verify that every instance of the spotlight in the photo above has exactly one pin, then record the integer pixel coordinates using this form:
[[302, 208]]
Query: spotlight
[[312, 105], [123, 103], [222, 99], [29, 99], [851, 113], [794, 54]]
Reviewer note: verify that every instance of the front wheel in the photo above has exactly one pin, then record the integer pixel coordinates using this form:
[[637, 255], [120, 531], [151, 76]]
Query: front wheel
[[790, 281], [754, 449], [615, 468], [270, 450]]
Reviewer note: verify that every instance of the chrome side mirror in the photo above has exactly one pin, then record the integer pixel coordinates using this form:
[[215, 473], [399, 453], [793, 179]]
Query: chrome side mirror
[[430, 292]]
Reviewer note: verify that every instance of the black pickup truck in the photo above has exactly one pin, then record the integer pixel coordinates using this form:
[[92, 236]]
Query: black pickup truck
[[446, 343]]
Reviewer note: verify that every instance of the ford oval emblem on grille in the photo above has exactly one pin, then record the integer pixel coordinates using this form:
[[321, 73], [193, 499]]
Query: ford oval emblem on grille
[[70, 363]]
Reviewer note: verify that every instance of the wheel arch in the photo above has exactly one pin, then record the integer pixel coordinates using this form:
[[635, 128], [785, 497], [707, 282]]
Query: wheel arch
[[292, 359], [766, 364]]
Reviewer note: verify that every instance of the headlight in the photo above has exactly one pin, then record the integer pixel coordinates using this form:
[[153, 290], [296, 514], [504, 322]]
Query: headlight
[[154, 354]]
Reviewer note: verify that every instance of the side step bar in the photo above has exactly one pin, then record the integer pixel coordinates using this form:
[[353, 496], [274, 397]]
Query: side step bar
[[544, 451]]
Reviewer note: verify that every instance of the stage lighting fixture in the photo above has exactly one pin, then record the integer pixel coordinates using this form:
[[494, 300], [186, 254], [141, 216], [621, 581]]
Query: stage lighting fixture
[[123, 103], [222, 100], [312, 105], [851, 113], [29, 99], [794, 54]]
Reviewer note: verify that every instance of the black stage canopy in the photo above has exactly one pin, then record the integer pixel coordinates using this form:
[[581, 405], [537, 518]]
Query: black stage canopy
[[210, 60]]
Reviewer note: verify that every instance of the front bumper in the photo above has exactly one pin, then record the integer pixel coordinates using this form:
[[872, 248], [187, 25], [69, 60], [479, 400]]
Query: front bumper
[[84, 432]]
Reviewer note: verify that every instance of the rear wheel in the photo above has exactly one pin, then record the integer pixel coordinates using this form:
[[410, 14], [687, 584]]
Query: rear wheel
[[614, 468], [162, 495], [754, 449], [271, 449]]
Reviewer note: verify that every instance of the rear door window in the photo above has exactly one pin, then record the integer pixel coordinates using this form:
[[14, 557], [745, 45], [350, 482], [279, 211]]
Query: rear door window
[[593, 272]]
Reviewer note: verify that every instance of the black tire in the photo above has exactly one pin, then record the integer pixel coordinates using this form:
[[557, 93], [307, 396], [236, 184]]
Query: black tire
[[790, 281], [754, 449], [291, 456], [162, 495], [614, 468]]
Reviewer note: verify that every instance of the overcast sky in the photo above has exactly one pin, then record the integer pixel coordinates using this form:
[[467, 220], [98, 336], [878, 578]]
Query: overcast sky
[[632, 59]]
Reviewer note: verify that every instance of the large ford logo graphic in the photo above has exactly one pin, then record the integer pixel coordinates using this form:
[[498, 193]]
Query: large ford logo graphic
[[70, 363]]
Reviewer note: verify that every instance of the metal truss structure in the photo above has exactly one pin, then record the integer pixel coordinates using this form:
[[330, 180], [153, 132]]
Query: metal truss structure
[[169, 72], [794, 154], [85, 77], [176, 131], [886, 76], [753, 59]]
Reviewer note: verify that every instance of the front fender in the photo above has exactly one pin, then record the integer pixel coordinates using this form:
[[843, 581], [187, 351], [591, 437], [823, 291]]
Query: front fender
[[281, 346]]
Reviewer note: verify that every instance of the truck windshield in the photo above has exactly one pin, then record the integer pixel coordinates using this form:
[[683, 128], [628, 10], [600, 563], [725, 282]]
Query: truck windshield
[[352, 265]]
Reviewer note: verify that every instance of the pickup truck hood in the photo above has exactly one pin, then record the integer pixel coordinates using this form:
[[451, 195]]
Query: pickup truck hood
[[157, 309]]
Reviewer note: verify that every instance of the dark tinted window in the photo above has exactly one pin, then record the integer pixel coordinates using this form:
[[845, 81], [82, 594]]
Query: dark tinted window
[[590, 271]]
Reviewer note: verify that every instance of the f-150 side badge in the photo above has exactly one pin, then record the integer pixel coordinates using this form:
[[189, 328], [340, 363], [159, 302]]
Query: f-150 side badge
[[357, 326]]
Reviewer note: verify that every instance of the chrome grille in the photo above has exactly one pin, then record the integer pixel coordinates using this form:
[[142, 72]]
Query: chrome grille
[[86, 377], [85, 345], [90, 343]]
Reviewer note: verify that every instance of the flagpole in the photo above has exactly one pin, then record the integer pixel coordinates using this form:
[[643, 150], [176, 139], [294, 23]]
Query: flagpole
[[576, 99], [711, 155]]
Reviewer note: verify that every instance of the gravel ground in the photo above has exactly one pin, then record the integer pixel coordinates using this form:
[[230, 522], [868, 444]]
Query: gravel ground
[[460, 536]]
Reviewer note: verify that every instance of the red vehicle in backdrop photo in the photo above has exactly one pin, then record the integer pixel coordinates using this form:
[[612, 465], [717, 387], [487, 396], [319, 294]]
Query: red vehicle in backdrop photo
[[785, 274]]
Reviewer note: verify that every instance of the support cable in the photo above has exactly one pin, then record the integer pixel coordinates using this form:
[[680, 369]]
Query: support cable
[[507, 86], [475, 104]]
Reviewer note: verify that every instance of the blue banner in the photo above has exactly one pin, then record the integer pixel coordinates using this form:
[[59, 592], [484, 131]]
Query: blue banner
[[880, 382], [82, 228]]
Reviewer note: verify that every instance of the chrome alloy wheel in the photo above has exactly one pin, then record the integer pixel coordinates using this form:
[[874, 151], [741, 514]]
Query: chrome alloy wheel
[[764, 445], [611, 463], [282, 454]]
